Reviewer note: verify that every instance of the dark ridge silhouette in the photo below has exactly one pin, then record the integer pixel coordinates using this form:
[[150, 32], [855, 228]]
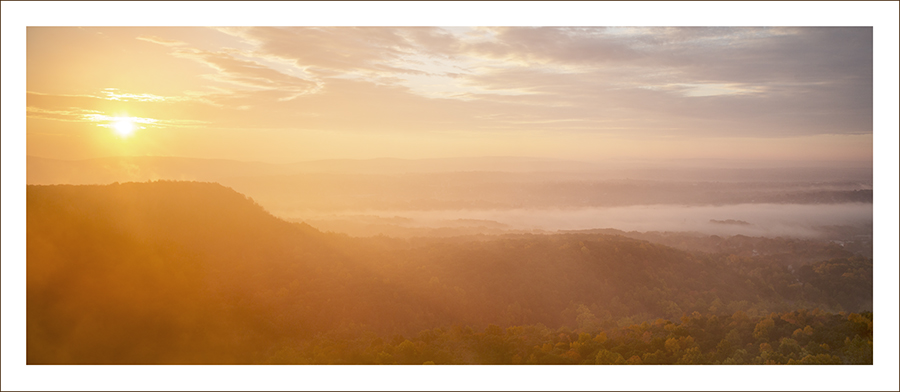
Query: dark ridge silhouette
[[187, 272]]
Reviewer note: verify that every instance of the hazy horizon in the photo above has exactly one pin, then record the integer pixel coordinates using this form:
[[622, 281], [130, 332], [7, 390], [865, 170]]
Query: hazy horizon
[[749, 163], [515, 194]]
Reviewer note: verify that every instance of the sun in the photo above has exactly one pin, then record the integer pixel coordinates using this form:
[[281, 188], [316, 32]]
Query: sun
[[124, 126]]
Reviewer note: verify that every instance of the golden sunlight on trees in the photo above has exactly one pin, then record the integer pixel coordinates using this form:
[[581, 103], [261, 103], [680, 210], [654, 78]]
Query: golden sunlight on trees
[[188, 272]]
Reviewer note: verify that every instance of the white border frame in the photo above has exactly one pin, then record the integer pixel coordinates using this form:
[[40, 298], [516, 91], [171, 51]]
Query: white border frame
[[881, 376]]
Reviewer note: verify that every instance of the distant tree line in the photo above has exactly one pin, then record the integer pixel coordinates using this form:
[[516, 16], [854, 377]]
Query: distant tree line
[[805, 337]]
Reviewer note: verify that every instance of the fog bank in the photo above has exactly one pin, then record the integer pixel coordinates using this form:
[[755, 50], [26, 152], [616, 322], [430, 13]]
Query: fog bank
[[796, 220]]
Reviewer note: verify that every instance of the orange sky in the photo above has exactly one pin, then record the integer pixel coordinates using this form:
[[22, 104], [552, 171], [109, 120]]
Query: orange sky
[[295, 94]]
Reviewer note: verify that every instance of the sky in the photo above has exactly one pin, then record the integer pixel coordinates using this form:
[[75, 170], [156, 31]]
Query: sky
[[289, 94]]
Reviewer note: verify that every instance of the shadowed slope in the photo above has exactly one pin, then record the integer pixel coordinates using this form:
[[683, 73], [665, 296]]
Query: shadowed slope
[[144, 273], [180, 272]]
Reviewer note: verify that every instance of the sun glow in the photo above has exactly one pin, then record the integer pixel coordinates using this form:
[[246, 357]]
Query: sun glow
[[124, 126]]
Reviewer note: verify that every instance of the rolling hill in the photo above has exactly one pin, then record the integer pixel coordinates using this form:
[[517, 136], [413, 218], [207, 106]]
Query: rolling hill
[[188, 272]]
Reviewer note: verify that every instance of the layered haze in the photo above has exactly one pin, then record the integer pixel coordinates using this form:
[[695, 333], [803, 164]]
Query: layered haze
[[487, 195]]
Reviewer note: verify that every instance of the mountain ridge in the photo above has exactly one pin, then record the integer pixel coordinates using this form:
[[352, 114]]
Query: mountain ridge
[[187, 272]]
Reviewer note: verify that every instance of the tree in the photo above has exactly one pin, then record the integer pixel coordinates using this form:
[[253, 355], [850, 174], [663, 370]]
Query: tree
[[606, 357]]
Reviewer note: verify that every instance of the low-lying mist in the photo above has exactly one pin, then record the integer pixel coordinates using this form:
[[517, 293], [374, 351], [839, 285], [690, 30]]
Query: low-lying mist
[[496, 195], [794, 220]]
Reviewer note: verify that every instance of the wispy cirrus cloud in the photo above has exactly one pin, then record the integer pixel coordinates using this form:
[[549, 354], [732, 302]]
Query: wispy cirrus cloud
[[364, 51], [161, 41], [701, 80], [249, 74], [113, 94], [58, 108], [501, 90], [625, 81]]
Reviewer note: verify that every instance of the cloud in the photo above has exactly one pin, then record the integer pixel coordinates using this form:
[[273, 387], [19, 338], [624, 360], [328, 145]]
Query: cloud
[[249, 74], [700, 81], [71, 115], [366, 51], [161, 41], [113, 95], [692, 54], [705, 81], [635, 82], [541, 45], [93, 110]]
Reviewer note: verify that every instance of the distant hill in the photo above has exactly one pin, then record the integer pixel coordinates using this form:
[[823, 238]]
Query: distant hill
[[44, 171], [101, 171], [188, 272], [308, 189]]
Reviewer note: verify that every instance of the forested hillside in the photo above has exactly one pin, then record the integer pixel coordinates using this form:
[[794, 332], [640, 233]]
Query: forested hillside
[[186, 272]]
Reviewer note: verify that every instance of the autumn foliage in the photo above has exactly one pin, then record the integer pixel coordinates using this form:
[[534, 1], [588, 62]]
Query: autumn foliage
[[186, 272]]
